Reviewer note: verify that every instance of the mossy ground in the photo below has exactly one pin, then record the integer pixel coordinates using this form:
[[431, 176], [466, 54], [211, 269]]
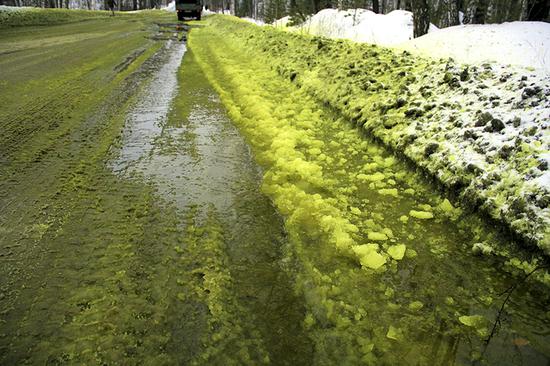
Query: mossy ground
[[349, 209]]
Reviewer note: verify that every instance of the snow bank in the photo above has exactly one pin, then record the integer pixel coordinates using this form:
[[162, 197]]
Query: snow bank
[[524, 44], [362, 26], [255, 21], [283, 22], [170, 7], [480, 130], [14, 8]]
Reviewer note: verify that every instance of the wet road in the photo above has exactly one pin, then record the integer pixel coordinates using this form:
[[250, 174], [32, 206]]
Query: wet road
[[137, 226]]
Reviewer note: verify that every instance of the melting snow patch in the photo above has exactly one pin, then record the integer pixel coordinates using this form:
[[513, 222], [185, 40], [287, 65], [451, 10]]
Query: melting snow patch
[[524, 44], [362, 26]]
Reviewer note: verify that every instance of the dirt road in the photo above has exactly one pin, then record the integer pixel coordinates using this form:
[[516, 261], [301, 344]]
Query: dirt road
[[134, 230]]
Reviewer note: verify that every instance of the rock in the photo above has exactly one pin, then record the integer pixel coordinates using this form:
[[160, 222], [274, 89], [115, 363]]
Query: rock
[[473, 168], [496, 125], [474, 321], [483, 119], [400, 102], [293, 75], [516, 121], [529, 92], [429, 106], [543, 201], [504, 78], [416, 305], [482, 249], [393, 333], [397, 252], [464, 75], [471, 134], [451, 80], [414, 112], [505, 151], [531, 131], [543, 165], [377, 236], [431, 148], [389, 123]]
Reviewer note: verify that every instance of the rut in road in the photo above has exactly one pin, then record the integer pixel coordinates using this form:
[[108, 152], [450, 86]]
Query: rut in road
[[197, 160]]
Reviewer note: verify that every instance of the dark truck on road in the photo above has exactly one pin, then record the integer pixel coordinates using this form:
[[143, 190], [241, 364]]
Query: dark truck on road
[[190, 8]]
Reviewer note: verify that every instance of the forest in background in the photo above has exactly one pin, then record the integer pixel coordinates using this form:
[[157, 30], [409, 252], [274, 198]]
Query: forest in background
[[442, 13]]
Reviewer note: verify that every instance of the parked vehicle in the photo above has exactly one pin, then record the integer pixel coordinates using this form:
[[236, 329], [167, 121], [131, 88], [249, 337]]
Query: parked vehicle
[[189, 8]]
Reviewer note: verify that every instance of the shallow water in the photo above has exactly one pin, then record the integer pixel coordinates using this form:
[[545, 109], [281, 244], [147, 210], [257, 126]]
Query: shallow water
[[179, 139]]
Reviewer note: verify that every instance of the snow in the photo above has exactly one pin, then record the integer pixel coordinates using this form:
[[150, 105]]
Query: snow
[[362, 25], [255, 21], [170, 7], [283, 22], [521, 44], [525, 44], [13, 8]]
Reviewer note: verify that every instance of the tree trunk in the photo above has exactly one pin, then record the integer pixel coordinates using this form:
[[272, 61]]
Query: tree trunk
[[421, 17], [538, 10], [454, 7], [375, 6], [479, 12]]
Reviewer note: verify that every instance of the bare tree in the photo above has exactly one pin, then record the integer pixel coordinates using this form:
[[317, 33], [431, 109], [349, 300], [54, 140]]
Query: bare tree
[[421, 17]]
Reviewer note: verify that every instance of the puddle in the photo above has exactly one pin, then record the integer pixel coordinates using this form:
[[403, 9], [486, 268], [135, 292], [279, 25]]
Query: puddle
[[179, 138]]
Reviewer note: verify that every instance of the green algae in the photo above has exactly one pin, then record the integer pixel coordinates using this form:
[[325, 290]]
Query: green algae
[[397, 252], [325, 179], [423, 215]]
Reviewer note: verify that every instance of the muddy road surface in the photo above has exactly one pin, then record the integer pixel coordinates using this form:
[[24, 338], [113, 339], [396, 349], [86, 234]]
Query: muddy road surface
[[134, 228]]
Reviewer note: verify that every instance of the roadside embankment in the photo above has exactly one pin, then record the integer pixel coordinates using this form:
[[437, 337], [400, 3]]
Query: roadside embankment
[[28, 16], [380, 258], [479, 131]]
